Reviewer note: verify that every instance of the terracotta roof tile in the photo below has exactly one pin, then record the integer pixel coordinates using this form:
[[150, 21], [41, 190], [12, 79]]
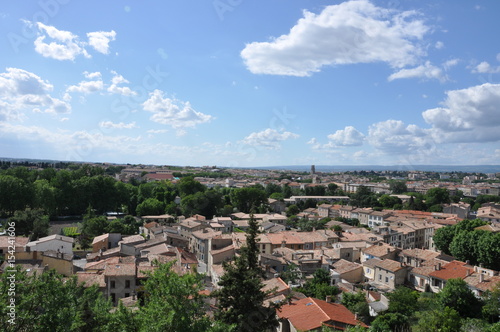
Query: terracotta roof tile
[[454, 269], [309, 313]]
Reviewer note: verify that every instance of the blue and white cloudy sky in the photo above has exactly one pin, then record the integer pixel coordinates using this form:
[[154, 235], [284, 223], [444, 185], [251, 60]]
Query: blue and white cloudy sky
[[251, 83]]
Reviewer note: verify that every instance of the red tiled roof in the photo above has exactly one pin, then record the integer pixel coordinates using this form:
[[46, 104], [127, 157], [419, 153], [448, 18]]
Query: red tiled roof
[[309, 313], [454, 269]]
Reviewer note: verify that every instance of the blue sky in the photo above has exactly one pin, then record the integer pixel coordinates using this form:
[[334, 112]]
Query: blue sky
[[251, 83]]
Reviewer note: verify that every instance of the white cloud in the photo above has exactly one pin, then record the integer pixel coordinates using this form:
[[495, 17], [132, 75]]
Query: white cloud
[[427, 71], [120, 125], [485, 68], [100, 40], [175, 113], [64, 45], [348, 136], [394, 137], [268, 138], [21, 90], [439, 45], [86, 87], [467, 115], [93, 75], [450, 63], [351, 32], [121, 90]]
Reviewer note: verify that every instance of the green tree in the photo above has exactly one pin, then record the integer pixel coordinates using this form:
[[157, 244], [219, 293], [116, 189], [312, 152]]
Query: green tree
[[457, 295], [246, 199], [94, 226], [390, 322], [443, 238], [52, 302], [31, 222], [388, 201], [45, 197], [151, 206], [437, 196], [173, 302], [491, 309], [241, 299], [189, 186], [16, 194], [403, 301], [292, 210], [363, 197], [441, 320], [398, 187]]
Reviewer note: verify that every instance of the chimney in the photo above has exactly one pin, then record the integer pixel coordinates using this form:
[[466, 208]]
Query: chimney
[[328, 298], [438, 266], [467, 273], [283, 244], [481, 277], [388, 250]]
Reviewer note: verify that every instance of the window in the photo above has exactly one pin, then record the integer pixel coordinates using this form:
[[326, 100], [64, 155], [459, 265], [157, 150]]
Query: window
[[386, 279], [113, 297], [112, 284], [127, 294], [379, 277], [127, 283], [368, 270]]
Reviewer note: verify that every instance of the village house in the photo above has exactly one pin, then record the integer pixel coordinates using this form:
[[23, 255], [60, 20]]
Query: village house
[[482, 280], [452, 270], [199, 243], [106, 241], [389, 274], [58, 243], [348, 271], [311, 314], [380, 251]]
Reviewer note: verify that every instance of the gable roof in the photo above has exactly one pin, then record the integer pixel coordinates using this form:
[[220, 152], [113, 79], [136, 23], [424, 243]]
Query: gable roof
[[454, 269], [309, 313]]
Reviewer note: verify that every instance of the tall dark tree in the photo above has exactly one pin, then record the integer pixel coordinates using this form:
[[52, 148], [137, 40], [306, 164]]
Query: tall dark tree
[[31, 222], [241, 299], [398, 187], [246, 199]]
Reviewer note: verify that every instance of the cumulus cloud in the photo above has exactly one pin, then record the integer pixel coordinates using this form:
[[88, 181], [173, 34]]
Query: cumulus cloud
[[21, 90], [268, 138], [64, 45], [91, 76], [349, 136], [467, 115], [485, 68], [121, 90], [100, 40], [351, 32], [394, 136], [120, 125], [86, 87], [175, 113], [425, 71]]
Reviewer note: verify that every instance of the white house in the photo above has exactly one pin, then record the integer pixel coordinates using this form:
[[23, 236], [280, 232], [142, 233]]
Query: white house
[[57, 243]]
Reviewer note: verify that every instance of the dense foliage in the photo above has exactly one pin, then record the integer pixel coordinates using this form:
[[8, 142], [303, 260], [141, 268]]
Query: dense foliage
[[466, 243]]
